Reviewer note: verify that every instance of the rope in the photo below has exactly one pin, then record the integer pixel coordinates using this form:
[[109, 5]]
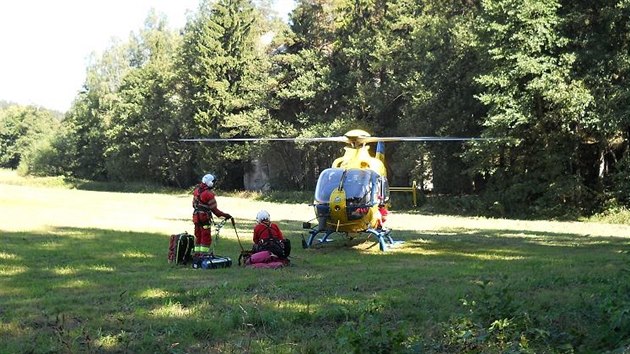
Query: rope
[[244, 253], [216, 232], [238, 238]]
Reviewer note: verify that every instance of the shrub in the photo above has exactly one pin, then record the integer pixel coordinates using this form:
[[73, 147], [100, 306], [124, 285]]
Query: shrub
[[47, 156]]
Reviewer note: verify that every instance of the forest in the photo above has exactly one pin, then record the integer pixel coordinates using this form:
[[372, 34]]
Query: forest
[[547, 81]]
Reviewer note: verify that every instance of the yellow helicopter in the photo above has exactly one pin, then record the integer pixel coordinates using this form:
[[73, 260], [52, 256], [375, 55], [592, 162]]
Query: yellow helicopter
[[351, 196]]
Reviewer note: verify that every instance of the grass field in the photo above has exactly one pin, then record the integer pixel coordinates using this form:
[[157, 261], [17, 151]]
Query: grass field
[[86, 272]]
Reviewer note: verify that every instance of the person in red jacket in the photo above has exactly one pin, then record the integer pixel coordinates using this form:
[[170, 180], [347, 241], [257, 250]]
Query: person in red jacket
[[204, 205], [268, 237], [265, 229]]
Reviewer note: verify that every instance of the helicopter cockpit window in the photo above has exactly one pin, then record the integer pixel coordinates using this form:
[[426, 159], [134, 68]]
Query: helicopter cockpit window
[[359, 187], [329, 179]]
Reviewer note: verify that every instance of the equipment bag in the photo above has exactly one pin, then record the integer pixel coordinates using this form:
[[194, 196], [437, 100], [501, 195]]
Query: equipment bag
[[180, 248], [281, 248], [210, 261], [266, 259]]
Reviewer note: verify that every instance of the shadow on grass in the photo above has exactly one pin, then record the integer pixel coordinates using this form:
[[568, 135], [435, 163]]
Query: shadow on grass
[[70, 289]]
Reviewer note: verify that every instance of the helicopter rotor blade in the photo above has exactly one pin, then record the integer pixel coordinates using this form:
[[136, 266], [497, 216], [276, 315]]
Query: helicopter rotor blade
[[373, 139], [348, 139], [341, 139]]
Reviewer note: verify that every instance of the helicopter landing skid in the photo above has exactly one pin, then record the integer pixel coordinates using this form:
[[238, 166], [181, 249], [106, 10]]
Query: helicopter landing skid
[[311, 237], [383, 238]]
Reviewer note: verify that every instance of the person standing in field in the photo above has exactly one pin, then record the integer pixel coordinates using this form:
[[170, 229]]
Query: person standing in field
[[204, 205]]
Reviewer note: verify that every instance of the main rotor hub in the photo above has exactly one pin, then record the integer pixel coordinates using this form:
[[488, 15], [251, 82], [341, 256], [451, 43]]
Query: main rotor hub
[[356, 136]]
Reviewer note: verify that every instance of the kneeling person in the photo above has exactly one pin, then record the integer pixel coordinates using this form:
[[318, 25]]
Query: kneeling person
[[268, 237]]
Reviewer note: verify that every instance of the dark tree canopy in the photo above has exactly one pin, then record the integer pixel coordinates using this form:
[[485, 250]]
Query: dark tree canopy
[[549, 80]]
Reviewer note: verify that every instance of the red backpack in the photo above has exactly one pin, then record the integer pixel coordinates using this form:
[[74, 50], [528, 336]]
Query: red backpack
[[180, 248]]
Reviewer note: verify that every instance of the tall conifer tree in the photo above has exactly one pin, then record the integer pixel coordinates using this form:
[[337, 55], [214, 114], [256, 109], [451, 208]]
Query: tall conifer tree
[[224, 78], [535, 104]]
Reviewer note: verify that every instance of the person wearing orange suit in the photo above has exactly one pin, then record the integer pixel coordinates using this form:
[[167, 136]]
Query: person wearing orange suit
[[204, 205]]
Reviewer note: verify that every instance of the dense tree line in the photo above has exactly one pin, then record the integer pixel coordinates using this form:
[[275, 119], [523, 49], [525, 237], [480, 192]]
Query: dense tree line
[[548, 80]]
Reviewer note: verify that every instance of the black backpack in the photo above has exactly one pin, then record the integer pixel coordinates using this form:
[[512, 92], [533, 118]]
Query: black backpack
[[281, 248]]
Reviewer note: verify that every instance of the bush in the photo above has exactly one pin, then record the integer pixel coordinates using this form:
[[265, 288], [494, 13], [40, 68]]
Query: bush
[[20, 128], [46, 157], [612, 213]]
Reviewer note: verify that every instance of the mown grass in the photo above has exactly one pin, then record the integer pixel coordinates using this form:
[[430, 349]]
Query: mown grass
[[11, 177], [95, 290], [469, 288]]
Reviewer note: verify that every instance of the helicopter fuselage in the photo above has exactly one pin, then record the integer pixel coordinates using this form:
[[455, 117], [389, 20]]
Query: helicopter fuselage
[[348, 195]]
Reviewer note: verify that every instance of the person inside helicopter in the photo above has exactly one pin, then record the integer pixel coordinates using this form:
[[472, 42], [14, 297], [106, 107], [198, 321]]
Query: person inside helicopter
[[358, 187]]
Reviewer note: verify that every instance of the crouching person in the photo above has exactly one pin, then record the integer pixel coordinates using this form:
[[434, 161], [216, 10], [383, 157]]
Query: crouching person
[[270, 249]]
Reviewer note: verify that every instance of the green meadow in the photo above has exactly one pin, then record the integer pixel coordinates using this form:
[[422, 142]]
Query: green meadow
[[86, 271]]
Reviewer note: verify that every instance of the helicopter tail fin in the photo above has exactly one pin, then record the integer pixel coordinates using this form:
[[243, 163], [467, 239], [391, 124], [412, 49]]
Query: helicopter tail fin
[[380, 151]]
